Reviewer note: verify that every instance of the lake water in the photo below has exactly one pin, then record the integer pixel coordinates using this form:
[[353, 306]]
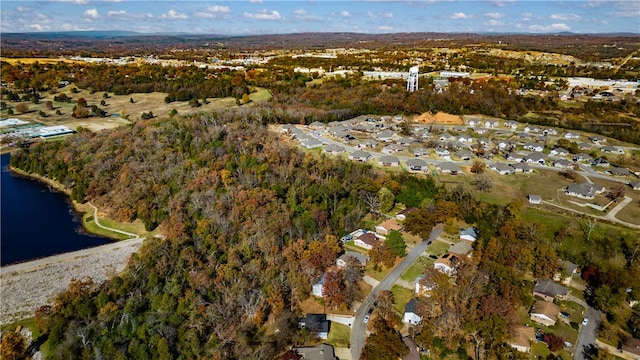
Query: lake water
[[36, 222]]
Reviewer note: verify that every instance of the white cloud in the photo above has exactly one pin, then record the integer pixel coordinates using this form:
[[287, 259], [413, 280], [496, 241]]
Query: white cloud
[[255, 1], [503, 3], [627, 9], [494, 15], [494, 22], [37, 27], [76, 2], [174, 15], [23, 9], [550, 28], [460, 16], [387, 15], [213, 11], [92, 14], [345, 13], [385, 28], [117, 13], [527, 16], [565, 17], [300, 12], [264, 15]]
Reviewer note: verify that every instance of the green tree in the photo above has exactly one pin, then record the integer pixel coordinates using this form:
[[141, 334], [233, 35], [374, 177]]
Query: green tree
[[386, 199], [173, 112], [395, 242]]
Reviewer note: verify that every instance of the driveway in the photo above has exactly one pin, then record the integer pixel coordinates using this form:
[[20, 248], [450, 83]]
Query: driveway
[[358, 331], [587, 335]]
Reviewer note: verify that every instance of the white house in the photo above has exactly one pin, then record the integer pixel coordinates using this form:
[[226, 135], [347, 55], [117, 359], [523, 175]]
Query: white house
[[410, 316], [545, 313], [360, 155], [469, 234], [342, 260], [317, 288], [534, 199], [388, 160], [417, 165], [367, 240]]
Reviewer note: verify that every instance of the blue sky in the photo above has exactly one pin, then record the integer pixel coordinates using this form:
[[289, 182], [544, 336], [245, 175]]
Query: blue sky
[[242, 17]]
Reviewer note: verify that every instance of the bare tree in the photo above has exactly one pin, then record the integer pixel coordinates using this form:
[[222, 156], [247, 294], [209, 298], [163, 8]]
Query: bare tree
[[616, 192], [483, 183], [373, 202], [588, 228]]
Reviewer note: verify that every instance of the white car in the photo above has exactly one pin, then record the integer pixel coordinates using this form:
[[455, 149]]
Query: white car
[[585, 321], [366, 318]]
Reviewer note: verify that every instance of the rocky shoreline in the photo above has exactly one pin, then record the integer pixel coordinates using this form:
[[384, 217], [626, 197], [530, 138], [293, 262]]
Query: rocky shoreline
[[26, 286]]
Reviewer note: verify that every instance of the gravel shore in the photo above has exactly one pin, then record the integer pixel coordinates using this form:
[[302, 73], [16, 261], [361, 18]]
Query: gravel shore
[[26, 286]]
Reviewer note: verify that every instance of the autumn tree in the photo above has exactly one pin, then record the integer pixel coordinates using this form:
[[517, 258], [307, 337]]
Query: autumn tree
[[22, 107], [381, 254], [420, 222], [13, 345], [384, 344], [395, 243], [554, 342], [49, 105], [352, 274], [82, 102], [616, 192], [333, 289], [478, 167]]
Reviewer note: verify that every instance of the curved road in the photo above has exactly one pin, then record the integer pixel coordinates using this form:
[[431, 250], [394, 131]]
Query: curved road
[[358, 331], [95, 219]]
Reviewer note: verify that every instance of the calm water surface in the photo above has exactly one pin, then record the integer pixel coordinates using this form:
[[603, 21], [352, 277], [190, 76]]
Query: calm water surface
[[36, 222]]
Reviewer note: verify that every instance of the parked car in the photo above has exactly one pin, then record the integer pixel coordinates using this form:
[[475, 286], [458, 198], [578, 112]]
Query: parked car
[[585, 321], [565, 314], [366, 318]]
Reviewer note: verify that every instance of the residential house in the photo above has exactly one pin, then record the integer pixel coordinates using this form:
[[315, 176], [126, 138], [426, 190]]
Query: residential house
[[368, 143], [512, 156], [464, 154], [420, 151], [522, 338], [545, 313], [318, 287], [480, 131], [501, 133], [465, 139], [425, 285], [513, 125], [460, 249], [417, 165], [534, 199], [469, 234], [550, 131], [534, 147], [367, 240], [318, 352], [549, 290], [563, 164], [385, 135], [612, 150], [524, 136], [448, 168], [392, 148], [632, 348], [619, 171], [597, 139], [537, 158], [584, 190], [340, 131], [317, 125], [503, 144], [405, 141], [342, 260], [600, 162], [582, 157], [410, 313], [386, 226], [388, 160], [491, 123], [402, 215], [571, 135], [568, 268], [584, 146], [502, 168], [447, 264], [522, 167], [288, 128], [333, 149], [635, 185], [442, 152], [360, 155], [446, 137], [559, 152], [473, 122], [311, 143], [316, 323]]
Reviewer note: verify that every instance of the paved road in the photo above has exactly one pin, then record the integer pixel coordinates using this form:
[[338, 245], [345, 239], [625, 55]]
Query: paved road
[[358, 331], [95, 219], [605, 217], [587, 334]]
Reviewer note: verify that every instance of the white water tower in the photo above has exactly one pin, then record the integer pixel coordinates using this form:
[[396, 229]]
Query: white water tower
[[412, 81]]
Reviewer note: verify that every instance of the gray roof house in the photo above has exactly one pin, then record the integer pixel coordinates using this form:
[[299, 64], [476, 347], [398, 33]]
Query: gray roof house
[[534, 199], [462, 248], [448, 168], [385, 135], [368, 143], [311, 143], [464, 154], [522, 167], [533, 147], [584, 146], [502, 168], [513, 156], [548, 290], [410, 315], [571, 135], [635, 185], [612, 149], [563, 164], [420, 151], [582, 157], [316, 323], [392, 148], [584, 190], [405, 141], [342, 260], [360, 155], [388, 160], [602, 162], [535, 158], [446, 137], [619, 171], [318, 352], [417, 165], [333, 149], [559, 152]]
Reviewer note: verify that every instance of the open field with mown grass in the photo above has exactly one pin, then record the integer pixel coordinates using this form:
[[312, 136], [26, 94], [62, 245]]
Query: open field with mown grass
[[26, 61], [120, 109]]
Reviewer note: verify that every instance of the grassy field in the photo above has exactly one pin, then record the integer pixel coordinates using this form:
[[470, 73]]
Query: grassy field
[[402, 297], [438, 247], [339, 335], [122, 107], [417, 268]]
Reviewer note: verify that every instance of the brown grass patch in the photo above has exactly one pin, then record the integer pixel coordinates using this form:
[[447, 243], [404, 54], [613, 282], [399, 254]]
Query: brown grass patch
[[439, 118]]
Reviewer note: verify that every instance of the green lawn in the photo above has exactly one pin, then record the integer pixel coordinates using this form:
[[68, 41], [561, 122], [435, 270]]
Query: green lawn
[[417, 268], [339, 335], [402, 296], [438, 248], [378, 275], [540, 349]]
